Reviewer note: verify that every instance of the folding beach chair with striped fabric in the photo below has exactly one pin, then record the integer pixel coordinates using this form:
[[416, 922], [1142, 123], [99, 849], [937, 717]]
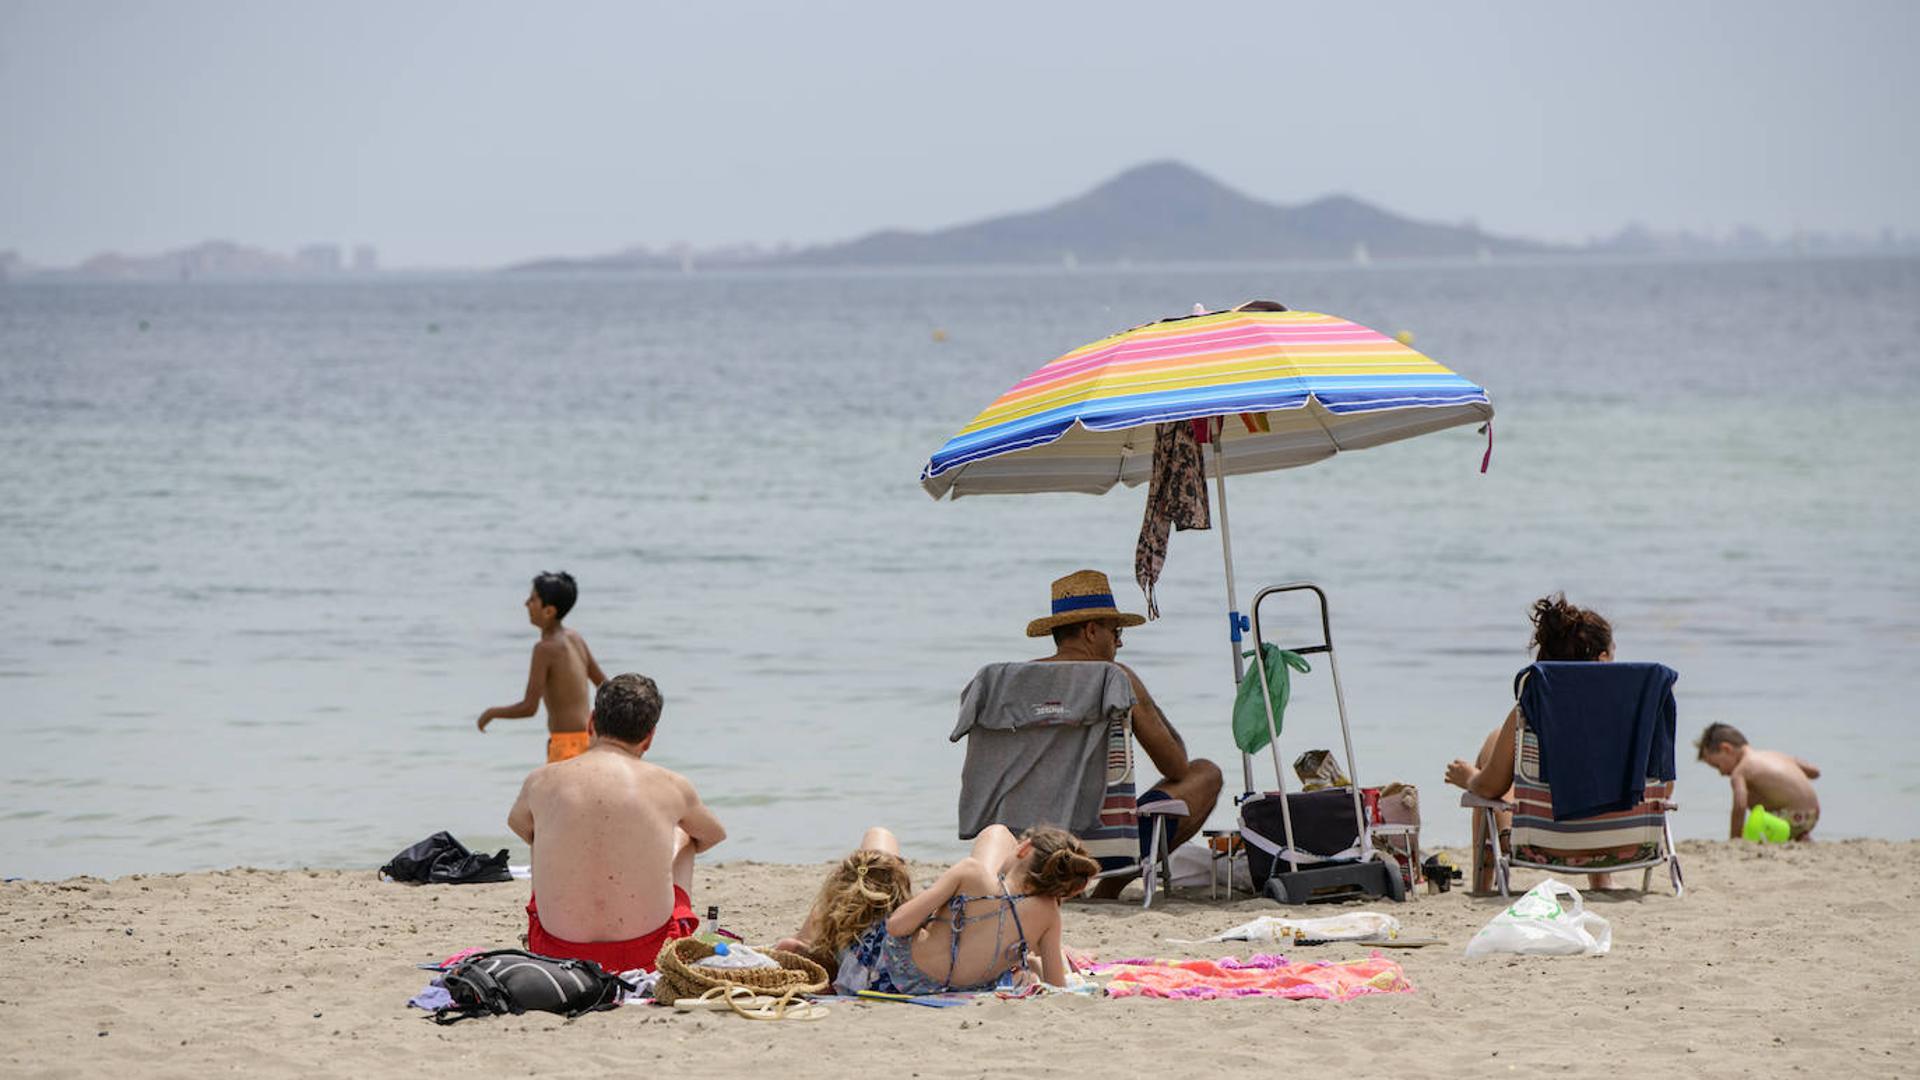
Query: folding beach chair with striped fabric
[[1112, 832], [1116, 843], [1639, 838]]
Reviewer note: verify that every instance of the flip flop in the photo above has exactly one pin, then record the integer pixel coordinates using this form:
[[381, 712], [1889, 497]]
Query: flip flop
[[784, 1007], [717, 999], [744, 1002]]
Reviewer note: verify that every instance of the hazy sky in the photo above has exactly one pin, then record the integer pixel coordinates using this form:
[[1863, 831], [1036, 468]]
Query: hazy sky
[[477, 133]]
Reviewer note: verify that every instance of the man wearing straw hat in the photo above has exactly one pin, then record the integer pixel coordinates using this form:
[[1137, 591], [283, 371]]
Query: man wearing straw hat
[[1086, 625]]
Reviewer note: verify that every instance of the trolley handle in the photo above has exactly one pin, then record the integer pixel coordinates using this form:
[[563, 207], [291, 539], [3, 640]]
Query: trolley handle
[[1340, 705], [1326, 625]]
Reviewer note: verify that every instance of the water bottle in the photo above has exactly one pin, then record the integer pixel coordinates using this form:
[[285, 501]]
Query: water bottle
[[710, 926]]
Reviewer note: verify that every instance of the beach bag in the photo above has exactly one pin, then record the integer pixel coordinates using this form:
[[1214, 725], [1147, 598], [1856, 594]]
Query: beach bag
[[1547, 921], [683, 976], [1396, 807], [442, 860], [512, 981], [1324, 829]]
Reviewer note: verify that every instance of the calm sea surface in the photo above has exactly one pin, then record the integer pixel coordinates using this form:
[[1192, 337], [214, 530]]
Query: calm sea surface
[[263, 546]]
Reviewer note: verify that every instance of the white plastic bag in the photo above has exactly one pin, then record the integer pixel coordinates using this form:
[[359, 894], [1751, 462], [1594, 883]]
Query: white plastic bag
[[1540, 924], [1194, 868], [736, 957]]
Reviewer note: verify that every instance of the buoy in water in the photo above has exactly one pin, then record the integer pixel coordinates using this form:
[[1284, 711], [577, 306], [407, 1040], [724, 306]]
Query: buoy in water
[[1404, 337], [939, 334]]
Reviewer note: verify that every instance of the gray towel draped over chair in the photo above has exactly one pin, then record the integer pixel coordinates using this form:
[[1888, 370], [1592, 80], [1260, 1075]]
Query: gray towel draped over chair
[[1037, 736]]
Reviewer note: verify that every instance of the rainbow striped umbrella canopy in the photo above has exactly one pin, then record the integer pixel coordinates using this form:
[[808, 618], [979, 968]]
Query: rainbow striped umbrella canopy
[[1294, 387]]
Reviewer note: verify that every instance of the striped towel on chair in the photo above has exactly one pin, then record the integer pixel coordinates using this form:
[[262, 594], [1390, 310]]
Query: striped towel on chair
[[1618, 839], [1115, 842]]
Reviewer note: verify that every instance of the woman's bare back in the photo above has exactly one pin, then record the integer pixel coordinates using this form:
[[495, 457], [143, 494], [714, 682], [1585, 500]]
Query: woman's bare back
[[996, 933]]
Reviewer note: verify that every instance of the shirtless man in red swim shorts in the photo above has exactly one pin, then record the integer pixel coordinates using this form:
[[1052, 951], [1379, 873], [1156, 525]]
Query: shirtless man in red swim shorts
[[613, 840]]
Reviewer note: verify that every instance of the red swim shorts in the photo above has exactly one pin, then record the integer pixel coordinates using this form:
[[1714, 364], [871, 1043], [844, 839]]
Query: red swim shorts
[[614, 956]]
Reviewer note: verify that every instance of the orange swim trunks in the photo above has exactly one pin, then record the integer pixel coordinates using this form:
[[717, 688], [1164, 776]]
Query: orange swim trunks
[[562, 745], [614, 956]]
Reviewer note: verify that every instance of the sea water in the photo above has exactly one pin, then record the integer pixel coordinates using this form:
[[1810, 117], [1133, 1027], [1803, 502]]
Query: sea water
[[263, 546]]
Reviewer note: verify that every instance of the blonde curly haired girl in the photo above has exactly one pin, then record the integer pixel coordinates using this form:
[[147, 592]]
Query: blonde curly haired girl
[[882, 936]]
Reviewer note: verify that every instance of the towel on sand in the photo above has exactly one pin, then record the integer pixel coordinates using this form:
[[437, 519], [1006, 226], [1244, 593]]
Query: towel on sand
[[1259, 975], [1604, 730]]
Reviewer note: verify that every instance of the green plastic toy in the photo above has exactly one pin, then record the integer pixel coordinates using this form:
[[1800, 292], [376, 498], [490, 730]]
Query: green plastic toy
[[1765, 828]]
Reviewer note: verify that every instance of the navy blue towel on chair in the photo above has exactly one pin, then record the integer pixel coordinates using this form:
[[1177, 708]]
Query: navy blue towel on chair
[[1604, 729]]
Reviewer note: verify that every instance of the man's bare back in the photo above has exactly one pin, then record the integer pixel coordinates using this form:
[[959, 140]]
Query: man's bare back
[[606, 830], [1194, 781]]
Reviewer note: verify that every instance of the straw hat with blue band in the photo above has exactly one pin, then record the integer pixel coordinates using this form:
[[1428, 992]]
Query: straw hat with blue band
[[1082, 596]]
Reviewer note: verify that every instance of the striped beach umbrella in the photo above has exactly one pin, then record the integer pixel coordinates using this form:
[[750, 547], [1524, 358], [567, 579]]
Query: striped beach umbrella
[[1291, 387], [1267, 388]]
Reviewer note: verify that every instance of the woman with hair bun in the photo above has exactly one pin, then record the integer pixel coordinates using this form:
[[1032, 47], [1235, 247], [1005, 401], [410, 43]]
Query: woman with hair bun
[[988, 914], [1561, 631]]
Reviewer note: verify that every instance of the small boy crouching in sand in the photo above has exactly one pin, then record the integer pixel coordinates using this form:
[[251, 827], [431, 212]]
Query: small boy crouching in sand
[[1780, 782]]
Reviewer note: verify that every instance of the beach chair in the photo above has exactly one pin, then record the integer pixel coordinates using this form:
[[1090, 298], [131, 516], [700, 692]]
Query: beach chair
[[1639, 838], [1124, 834]]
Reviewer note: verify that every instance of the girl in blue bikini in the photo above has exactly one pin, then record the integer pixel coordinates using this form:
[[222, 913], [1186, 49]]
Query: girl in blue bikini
[[984, 917]]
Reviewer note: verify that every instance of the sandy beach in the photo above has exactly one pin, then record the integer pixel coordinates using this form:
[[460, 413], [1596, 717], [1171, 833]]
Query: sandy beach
[[1777, 961]]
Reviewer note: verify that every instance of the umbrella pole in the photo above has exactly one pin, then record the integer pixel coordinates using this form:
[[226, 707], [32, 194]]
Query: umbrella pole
[[1235, 622]]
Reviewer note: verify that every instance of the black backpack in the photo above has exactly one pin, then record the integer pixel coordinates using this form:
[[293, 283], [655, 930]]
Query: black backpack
[[513, 981], [442, 860]]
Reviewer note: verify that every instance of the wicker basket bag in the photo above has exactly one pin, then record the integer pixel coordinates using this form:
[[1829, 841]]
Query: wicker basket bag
[[680, 975]]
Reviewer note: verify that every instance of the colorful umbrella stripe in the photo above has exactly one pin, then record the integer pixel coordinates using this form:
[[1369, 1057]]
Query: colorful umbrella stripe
[[1251, 362]]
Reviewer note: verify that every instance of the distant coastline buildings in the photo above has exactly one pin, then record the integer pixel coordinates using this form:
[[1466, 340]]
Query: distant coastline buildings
[[318, 259], [211, 259]]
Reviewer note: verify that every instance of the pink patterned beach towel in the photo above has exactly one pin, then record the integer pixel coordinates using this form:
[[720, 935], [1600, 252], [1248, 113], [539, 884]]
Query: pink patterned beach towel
[[1260, 975]]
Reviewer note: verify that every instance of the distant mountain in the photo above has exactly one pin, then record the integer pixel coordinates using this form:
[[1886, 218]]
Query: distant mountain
[[1168, 212], [1155, 213]]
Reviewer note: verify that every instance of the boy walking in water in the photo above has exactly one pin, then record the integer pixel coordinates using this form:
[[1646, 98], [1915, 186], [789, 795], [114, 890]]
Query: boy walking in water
[[561, 671], [1780, 782]]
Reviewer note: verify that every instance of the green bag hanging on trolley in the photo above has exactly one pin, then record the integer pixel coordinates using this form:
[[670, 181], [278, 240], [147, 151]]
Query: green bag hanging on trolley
[[1249, 714]]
